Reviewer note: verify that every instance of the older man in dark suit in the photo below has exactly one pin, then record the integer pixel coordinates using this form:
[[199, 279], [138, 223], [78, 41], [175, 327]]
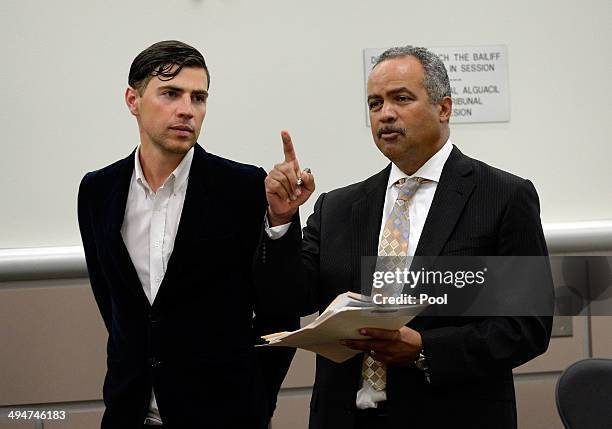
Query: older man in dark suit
[[169, 234], [437, 372]]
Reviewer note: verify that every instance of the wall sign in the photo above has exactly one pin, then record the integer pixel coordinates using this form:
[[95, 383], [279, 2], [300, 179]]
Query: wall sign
[[478, 77]]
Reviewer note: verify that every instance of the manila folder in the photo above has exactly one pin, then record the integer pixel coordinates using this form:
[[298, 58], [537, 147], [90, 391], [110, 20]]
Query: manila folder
[[323, 335]]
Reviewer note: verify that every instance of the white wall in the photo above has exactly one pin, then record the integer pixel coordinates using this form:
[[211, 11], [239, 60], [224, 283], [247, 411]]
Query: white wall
[[279, 64]]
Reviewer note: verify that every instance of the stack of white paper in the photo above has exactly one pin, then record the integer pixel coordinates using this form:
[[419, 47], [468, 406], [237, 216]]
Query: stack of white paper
[[341, 320]]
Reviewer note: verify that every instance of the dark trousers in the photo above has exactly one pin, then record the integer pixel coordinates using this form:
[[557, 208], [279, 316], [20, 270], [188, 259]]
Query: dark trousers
[[372, 418]]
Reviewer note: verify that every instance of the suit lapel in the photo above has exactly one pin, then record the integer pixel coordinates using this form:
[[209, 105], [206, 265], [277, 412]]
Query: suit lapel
[[116, 212], [193, 222], [197, 200], [366, 217], [453, 191]]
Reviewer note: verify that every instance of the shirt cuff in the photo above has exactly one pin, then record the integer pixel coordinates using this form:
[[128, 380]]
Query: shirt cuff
[[275, 232]]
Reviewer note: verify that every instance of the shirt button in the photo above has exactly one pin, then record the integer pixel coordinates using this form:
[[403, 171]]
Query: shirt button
[[156, 244]]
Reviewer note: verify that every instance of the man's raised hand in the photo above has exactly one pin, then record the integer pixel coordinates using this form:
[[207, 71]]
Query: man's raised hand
[[283, 191]]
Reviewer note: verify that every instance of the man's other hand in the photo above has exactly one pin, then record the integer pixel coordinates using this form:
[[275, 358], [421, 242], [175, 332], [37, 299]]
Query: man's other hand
[[397, 348]]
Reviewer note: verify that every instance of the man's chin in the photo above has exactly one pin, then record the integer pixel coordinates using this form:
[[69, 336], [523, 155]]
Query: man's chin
[[179, 148], [390, 149]]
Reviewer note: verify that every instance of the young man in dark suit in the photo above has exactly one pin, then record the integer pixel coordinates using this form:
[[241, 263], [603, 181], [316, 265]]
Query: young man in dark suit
[[437, 372], [169, 234]]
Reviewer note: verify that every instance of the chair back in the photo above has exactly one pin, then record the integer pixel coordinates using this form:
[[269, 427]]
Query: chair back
[[584, 395]]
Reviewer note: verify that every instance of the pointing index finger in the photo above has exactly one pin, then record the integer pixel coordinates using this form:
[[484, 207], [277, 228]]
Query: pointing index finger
[[288, 147]]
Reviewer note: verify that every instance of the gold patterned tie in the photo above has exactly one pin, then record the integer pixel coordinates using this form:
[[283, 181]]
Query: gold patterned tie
[[393, 247]]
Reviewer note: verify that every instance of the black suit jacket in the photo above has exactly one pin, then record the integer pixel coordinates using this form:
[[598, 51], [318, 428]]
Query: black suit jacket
[[194, 345], [476, 210]]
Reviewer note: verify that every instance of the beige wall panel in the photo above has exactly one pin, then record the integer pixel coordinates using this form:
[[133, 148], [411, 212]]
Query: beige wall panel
[[535, 401], [291, 412], [54, 343], [561, 352], [6, 423], [85, 419], [601, 337], [302, 370]]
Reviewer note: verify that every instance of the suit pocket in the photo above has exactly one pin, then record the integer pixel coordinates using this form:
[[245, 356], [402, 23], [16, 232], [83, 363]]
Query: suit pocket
[[468, 245]]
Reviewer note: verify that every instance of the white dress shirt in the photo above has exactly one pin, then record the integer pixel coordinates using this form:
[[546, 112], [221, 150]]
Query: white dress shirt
[[149, 228], [418, 209]]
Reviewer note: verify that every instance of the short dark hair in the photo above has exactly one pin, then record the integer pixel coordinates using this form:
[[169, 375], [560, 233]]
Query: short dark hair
[[160, 58], [436, 81]]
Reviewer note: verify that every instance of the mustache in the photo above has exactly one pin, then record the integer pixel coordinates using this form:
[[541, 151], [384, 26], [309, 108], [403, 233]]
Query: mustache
[[390, 129]]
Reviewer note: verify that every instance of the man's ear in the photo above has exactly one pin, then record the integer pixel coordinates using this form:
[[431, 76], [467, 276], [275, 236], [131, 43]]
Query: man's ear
[[132, 99], [445, 108]]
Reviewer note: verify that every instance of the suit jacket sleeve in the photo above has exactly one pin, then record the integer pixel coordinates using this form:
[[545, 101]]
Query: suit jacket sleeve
[[287, 269], [274, 362], [461, 353], [96, 277]]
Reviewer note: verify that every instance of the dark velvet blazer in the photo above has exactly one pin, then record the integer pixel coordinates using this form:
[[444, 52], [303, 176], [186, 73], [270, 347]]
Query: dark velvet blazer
[[195, 344]]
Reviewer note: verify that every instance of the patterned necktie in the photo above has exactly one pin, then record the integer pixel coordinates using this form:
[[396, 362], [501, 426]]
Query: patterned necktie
[[393, 247]]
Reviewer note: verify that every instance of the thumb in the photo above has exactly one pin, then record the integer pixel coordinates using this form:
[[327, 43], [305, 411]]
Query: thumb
[[308, 181]]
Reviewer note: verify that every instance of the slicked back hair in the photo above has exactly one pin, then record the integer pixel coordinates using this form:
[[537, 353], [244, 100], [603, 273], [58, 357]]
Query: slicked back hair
[[165, 60], [436, 81]]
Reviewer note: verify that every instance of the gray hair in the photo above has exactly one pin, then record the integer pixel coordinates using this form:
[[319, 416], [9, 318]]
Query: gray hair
[[436, 79]]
